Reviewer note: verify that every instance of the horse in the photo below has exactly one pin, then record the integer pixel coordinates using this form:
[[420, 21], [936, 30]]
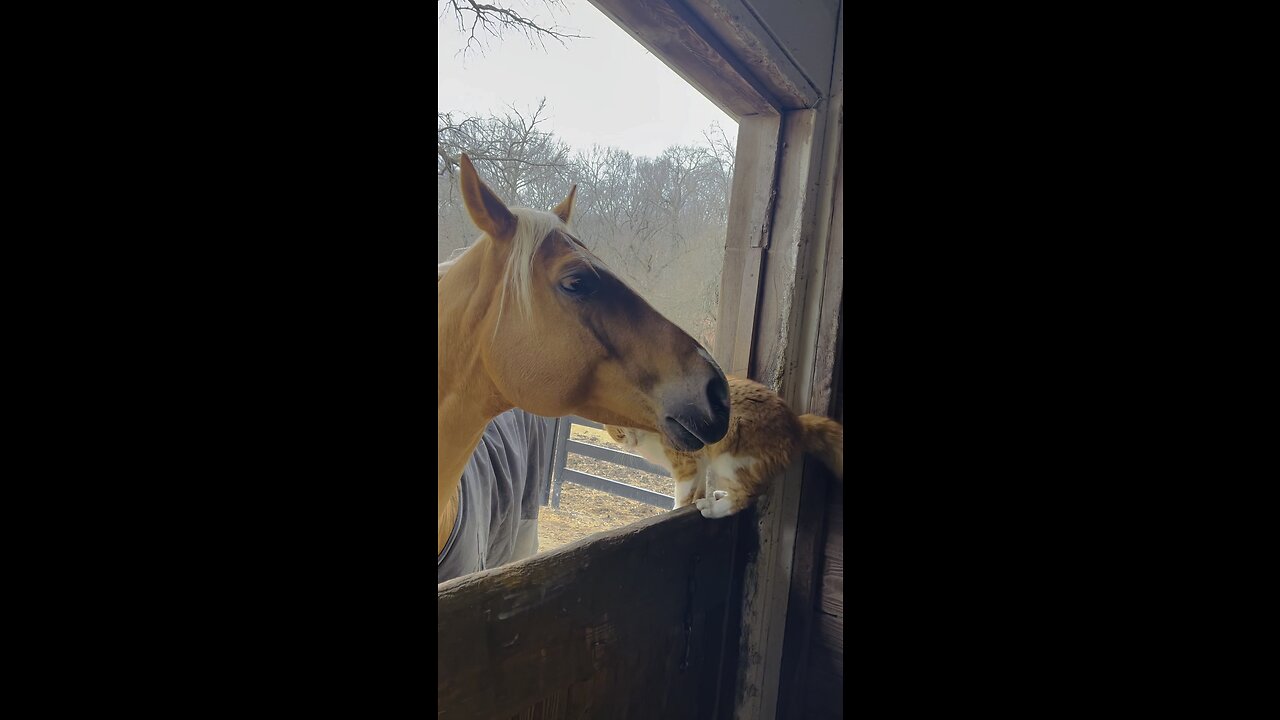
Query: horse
[[532, 326]]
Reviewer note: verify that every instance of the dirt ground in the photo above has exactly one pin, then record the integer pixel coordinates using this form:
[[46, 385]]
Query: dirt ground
[[584, 511]]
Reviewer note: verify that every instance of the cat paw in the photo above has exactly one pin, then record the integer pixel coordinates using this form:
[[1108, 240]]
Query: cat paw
[[719, 494], [718, 508], [703, 504]]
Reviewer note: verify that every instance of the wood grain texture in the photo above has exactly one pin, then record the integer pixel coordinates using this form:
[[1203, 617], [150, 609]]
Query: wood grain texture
[[751, 199], [806, 579], [784, 341], [778, 345], [804, 359], [823, 686], [830, 315], [623, 624], [831, 586], [830, 635], [766, 583], [830, 296], [740, 27]]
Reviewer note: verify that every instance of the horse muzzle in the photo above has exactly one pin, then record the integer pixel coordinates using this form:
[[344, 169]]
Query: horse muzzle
[[699, 416]]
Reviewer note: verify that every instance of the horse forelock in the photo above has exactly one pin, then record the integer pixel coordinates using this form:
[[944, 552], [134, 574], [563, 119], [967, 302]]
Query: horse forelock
[[533, 227]]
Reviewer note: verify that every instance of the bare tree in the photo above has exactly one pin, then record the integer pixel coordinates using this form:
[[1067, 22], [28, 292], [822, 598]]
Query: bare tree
[[496, 17], [519, 159], [722, 150], [658, 222], [491, 19], [523, 163]]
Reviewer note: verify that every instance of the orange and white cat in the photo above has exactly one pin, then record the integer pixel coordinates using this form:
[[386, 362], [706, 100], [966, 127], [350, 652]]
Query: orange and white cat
[[764, 436]]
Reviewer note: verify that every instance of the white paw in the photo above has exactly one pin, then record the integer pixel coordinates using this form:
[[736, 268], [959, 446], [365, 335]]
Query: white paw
[[703, 504], [718, 508], [719, 494]]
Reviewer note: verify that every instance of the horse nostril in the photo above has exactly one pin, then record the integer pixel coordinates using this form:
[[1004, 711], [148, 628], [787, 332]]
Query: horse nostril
[[718, 394]]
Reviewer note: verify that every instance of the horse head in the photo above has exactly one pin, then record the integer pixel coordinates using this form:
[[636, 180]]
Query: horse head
[[540, 323]]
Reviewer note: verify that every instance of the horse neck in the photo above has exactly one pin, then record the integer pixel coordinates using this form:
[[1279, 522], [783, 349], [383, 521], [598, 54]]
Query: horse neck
[[460, 421], [458, 432], [466, 398], [463, 409]]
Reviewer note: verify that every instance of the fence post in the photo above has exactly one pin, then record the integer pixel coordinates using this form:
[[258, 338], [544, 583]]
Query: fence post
[[544, 494], [560, 459]]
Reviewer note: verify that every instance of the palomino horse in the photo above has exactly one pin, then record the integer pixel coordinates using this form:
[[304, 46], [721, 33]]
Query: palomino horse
[[528, 318]]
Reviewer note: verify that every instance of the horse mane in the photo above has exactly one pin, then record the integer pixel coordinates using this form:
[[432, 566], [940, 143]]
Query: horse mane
[[532, 228]]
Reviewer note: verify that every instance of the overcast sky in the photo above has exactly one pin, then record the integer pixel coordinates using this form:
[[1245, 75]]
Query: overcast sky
[[605, 88]]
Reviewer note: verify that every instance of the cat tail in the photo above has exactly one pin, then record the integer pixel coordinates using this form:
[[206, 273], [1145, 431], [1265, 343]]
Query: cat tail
[[824, 438]]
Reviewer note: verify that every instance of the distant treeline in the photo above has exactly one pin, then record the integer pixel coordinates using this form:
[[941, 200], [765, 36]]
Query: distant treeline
[[659, 223]]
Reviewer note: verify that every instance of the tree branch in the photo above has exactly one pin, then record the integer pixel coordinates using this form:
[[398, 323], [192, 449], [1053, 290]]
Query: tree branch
[[494, 19]]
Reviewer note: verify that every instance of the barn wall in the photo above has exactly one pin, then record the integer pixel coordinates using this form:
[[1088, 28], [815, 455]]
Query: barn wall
[[813, 659], [787, 642], [629, 623], [812, 667]]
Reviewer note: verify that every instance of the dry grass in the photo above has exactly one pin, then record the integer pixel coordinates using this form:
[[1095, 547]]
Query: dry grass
[[584, 511]]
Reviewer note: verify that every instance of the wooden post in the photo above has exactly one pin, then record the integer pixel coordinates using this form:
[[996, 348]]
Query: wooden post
[[559, 458]]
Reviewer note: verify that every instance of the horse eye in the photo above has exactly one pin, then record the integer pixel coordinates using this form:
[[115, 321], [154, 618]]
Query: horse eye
[[575, 285]]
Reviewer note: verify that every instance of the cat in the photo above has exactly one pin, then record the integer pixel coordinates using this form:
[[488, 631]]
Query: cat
[[764, 435]]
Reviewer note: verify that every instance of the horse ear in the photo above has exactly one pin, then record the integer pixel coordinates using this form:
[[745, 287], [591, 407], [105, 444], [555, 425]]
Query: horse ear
[[565, 208], [488, 212]]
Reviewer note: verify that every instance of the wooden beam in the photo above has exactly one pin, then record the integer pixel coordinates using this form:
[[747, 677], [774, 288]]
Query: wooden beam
[[826, 295], [746, 239], [830, 302], [771, 58], [818, 567], [785, 356]]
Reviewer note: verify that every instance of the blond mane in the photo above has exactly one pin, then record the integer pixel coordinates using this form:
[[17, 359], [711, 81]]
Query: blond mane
[[532, 228]]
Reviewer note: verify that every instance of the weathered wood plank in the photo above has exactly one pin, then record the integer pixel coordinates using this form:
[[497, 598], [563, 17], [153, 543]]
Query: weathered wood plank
[[830, 635], [830, 317], [832, 583], [777, 342], [830, 299], [823, 687], [806, 588], [785, 357], [750, 198], [739, 26], [790, 260], [560, 452], [832, 598], [623, 624]]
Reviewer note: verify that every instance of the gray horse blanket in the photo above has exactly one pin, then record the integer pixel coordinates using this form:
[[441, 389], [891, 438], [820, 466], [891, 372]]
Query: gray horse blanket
[[502, 488]]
